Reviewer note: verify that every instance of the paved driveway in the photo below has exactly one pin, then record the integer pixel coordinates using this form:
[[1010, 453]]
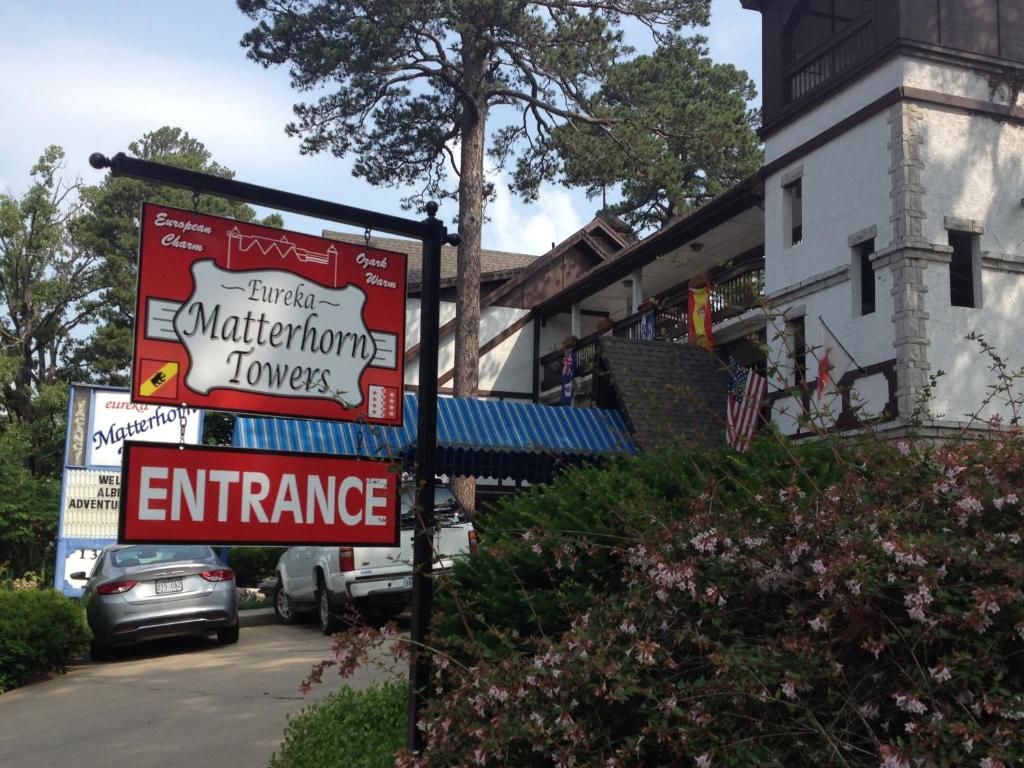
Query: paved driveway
[[182, 703]]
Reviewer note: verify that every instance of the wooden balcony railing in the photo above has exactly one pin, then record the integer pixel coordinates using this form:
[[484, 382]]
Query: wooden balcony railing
[[837, 55], [735, 291]]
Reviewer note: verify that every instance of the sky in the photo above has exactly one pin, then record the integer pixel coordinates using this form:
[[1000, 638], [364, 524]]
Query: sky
[[96, 76]]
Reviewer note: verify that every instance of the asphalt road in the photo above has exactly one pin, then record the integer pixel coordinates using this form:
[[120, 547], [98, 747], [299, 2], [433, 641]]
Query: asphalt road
[[173, 703]]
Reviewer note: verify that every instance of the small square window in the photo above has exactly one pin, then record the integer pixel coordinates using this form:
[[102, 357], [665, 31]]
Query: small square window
[[962, 269], [864, 277], [794, 214], [797, 349]]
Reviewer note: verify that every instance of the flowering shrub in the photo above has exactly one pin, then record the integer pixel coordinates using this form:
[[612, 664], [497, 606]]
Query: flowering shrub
[[30, 580], [865, 611]]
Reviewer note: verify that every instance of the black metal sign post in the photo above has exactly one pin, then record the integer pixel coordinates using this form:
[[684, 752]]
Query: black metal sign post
[[433, 234]]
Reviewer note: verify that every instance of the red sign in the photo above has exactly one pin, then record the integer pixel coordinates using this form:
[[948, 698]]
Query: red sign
[[238, 317], [211, 495]]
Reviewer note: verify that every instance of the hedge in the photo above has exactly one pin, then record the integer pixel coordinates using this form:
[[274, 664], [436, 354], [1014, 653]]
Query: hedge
[[41, 631], [347, 729]]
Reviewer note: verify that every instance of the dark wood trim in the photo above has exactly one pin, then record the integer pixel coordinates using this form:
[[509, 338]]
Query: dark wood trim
[[837, 130], [974, 106], [743, 196], [537, 371], [847, 417], [913, 48], [517, 326]]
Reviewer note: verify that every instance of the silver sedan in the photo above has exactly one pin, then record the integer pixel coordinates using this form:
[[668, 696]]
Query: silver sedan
[[147, 591]]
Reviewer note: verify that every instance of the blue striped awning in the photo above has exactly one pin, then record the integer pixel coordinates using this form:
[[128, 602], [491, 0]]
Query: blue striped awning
[[484, 438]]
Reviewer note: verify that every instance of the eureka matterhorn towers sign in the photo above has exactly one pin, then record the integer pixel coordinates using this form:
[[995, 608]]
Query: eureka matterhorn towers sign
[[241, 317]]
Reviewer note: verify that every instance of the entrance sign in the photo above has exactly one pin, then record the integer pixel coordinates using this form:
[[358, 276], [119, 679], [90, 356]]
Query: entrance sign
[[240, 317], [215, 495]]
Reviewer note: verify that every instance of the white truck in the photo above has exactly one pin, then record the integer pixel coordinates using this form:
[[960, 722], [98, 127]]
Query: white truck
[[377, 581]]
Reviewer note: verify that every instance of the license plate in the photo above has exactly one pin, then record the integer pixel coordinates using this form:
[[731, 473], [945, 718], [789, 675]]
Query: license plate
[[407, 582], [168, 586]]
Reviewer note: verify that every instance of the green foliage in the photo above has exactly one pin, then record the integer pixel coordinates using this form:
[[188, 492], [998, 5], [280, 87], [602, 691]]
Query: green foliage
[[679, 132], [253, 564], [109, 229], [852, 604], [519, 588], [400, 83], [47, 285], [41, 631], [348, 729], [29, 504]]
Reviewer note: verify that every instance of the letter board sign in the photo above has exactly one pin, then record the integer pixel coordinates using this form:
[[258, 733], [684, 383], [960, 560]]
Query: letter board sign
[[240, 317], [214, 495]]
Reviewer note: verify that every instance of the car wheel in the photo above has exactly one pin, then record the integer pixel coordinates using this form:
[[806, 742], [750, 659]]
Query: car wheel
[[228, 635], [283, 607], [328, 622]]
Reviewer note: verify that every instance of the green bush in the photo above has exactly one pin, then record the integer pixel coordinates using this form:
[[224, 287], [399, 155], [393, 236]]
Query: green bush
[[847, 604], [253, 564], [519, 587], [40, 631], [348, 729]]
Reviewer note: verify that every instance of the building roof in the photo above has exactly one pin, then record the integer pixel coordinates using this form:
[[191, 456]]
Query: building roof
[[492, 263], [684, 228], [482, 438], [667, 392]]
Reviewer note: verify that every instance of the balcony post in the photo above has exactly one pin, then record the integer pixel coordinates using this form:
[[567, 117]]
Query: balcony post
[[638, 290], [575, 324]]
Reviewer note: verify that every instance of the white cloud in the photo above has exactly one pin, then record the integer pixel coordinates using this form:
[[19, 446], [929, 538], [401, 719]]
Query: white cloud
[[533, 229]]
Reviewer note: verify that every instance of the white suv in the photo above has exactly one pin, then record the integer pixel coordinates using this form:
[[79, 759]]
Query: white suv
[[375, 580]]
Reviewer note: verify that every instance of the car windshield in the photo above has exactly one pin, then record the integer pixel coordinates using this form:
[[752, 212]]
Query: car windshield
[[447, 510], [155, 554]]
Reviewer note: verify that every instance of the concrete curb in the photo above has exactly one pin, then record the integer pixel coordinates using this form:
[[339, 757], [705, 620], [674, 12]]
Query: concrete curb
[[256, 617]]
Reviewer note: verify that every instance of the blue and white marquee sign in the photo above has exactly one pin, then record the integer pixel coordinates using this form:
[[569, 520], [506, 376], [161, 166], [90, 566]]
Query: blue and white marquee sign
[[100, 419]]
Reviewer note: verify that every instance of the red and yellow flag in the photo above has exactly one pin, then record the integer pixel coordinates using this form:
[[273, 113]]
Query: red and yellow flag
[[698, 317]]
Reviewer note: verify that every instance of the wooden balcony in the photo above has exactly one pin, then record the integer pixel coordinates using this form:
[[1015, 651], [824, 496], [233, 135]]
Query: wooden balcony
[[829, 60], [735, 291]]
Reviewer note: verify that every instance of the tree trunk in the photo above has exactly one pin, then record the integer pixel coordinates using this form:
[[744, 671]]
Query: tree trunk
[[467, 302]]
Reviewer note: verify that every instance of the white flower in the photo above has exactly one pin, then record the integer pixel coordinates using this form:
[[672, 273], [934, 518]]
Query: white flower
[[789, 689], [704, 761], [705, 541], [817, 624], [910, 704], [940, 673]]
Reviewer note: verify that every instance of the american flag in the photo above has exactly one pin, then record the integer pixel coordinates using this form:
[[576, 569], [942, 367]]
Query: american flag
[[745, 393]]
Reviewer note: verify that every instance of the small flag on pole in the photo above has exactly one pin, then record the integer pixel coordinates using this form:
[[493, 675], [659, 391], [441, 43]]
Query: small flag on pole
[[824, 366], [745, 393], [568, 376], [699, 318]]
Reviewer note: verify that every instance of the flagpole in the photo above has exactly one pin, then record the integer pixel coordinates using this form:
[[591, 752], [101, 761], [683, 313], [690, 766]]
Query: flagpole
[[837, 341]]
